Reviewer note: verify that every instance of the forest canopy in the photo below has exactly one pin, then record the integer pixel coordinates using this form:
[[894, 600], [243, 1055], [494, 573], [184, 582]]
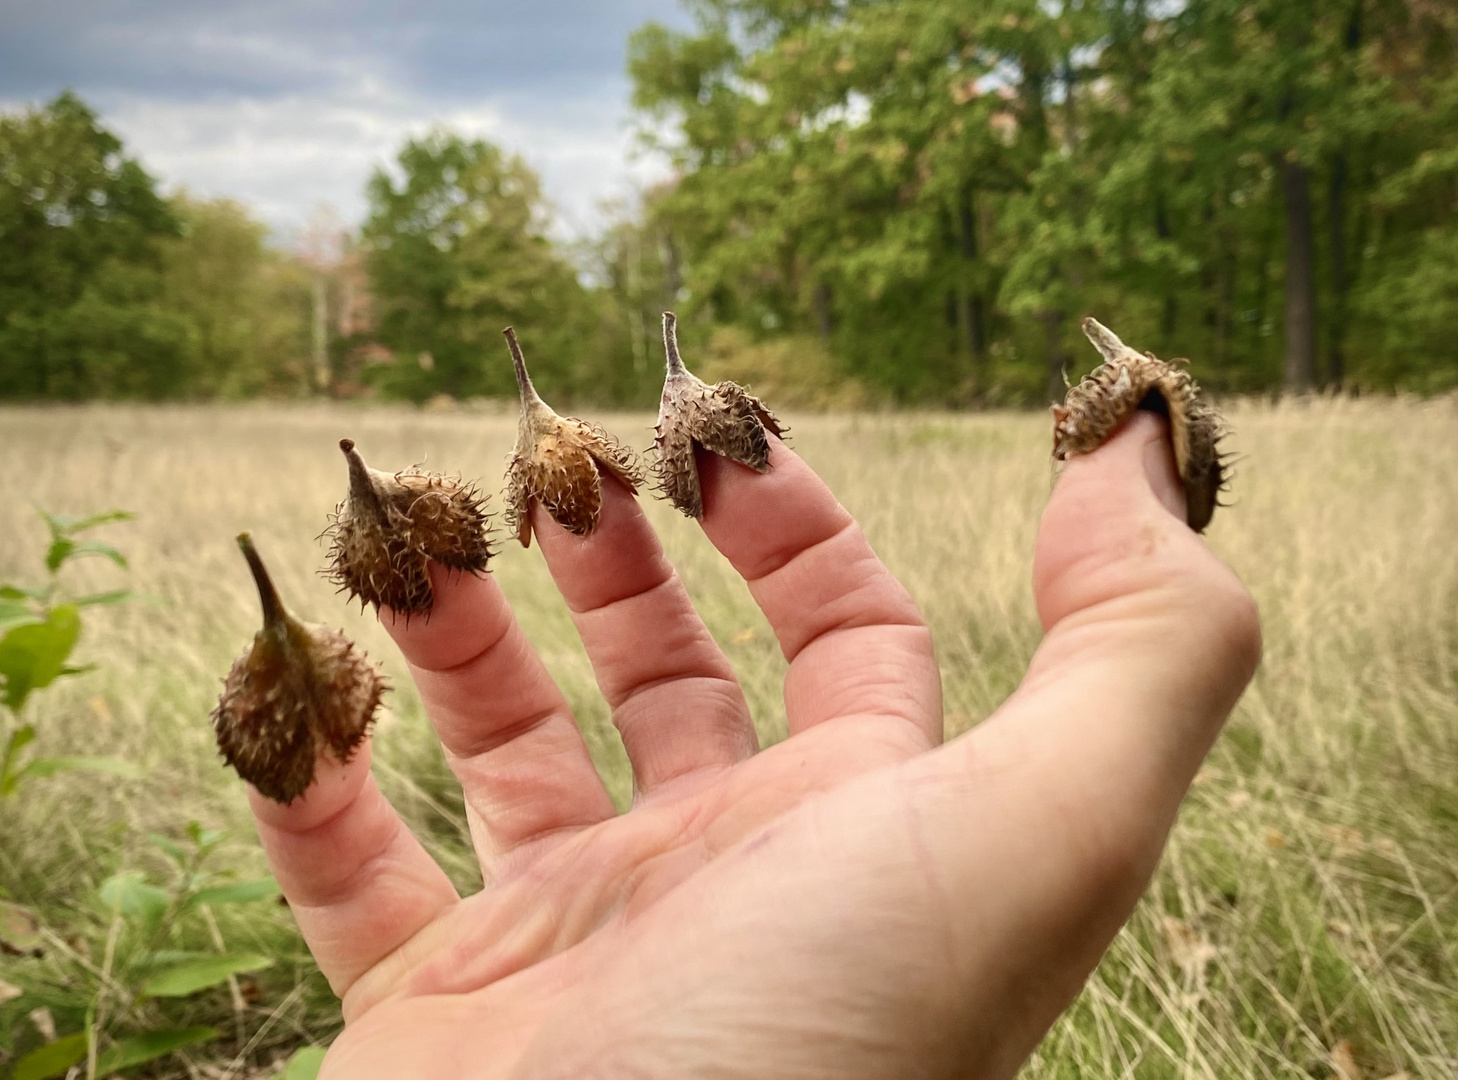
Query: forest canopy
[[898, 200]]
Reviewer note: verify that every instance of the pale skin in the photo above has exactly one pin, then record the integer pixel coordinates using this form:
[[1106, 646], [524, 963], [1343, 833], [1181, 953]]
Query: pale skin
[[858, 901]]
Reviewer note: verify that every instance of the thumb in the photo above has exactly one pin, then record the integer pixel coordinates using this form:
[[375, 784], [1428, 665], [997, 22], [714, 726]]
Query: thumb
[[1116, 524], [1149, 640]]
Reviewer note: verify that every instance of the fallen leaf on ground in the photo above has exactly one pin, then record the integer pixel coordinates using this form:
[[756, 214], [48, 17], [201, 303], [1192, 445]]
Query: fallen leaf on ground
[[1344, 1062], [19, 930], [1344, 839], [1191, 953], [44, 1023], [9, 992]]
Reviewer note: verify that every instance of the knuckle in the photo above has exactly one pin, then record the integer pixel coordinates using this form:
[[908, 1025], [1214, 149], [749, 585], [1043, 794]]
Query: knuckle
[[1228, 612]]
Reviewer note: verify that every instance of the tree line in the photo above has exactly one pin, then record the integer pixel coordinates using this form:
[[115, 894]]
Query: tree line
[[901, 200], [938, 190]]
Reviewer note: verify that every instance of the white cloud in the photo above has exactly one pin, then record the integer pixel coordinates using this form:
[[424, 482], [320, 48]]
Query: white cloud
[[289, 155], [287, 106]]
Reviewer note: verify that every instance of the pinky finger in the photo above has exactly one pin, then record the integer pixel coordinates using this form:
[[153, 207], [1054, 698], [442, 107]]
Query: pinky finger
[[358, 881]]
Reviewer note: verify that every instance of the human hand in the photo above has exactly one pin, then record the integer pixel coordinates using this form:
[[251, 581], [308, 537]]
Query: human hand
[[854, 902]]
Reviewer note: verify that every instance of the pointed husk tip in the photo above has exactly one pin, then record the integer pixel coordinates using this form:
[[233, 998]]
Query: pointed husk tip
[[670, 344], [518, 361], [268, 598]]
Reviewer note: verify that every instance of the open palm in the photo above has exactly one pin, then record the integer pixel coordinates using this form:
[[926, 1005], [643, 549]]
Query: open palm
[[857, 901]]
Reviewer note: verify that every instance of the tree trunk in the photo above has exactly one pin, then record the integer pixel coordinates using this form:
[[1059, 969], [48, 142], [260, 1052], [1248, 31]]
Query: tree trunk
[[970, 314], [1337, 223], [1300, 281], [1337, 213], [820, 301]]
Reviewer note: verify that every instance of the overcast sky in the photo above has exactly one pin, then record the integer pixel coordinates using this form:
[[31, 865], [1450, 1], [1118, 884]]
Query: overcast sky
[[289, 104]]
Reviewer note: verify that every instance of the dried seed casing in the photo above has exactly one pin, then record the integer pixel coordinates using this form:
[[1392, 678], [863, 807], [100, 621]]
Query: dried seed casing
[[724, 418], [1127, 381], [300, 689], [556, 462], [391, 525]]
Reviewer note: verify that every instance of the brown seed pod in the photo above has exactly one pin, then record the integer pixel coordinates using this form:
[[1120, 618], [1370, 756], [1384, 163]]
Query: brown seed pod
[[1127, 381], [556, 462], [391, 525], [299, 690], [724, 418]]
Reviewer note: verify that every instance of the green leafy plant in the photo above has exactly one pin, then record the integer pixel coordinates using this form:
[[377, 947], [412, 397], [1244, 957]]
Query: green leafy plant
[[39, 629], [121, 1000], [304, 1064]]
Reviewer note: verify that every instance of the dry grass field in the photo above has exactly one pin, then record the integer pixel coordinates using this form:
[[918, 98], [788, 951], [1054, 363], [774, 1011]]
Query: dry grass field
[[1304, 922]]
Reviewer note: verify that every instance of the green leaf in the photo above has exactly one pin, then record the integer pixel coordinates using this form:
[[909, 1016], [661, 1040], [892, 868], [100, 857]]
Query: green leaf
[[106, 517], [17, 613], [32, 657], [64, 549], [169, 847], [305, 1064], [205, 839], [20, 738], [130, 894], [40, 768], [59, 551], [53, 1059], [150, 1045], [190, 976], [242, 892], [116, 596], [15, 592]]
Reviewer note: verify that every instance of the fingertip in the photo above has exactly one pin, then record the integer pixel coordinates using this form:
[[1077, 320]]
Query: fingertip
[[621, 557], [468, 609], [618, 516], [1137, 460], [1159, 461], [759, 520], [336, 784], [1116, 517]]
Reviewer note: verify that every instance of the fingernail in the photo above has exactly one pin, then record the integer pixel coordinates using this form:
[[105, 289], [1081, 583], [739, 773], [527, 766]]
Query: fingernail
[[1164, 477]]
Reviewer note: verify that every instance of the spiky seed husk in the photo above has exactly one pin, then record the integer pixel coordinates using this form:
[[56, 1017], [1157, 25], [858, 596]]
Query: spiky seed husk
[[556, 462], [300, 689], [384, 534], [724, 418], [1127, 381]]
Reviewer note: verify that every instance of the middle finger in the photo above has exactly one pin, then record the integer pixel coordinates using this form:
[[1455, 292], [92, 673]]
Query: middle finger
[[674, 697]]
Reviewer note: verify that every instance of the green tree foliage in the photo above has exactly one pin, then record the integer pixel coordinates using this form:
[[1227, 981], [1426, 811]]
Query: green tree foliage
[[81, 276], [108, 289], [939, 189], [456, 249], [246, 306]]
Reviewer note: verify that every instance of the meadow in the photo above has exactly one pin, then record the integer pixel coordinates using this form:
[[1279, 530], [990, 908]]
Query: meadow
[[1304, 922]]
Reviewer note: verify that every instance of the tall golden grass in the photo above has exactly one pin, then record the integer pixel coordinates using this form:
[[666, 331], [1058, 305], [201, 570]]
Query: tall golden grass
[[1305, 920]]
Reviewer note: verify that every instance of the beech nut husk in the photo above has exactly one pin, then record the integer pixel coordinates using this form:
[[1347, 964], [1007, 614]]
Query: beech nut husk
[[1127, 381], [301, 689], [556, 463], [724, 418], [385, 533]]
